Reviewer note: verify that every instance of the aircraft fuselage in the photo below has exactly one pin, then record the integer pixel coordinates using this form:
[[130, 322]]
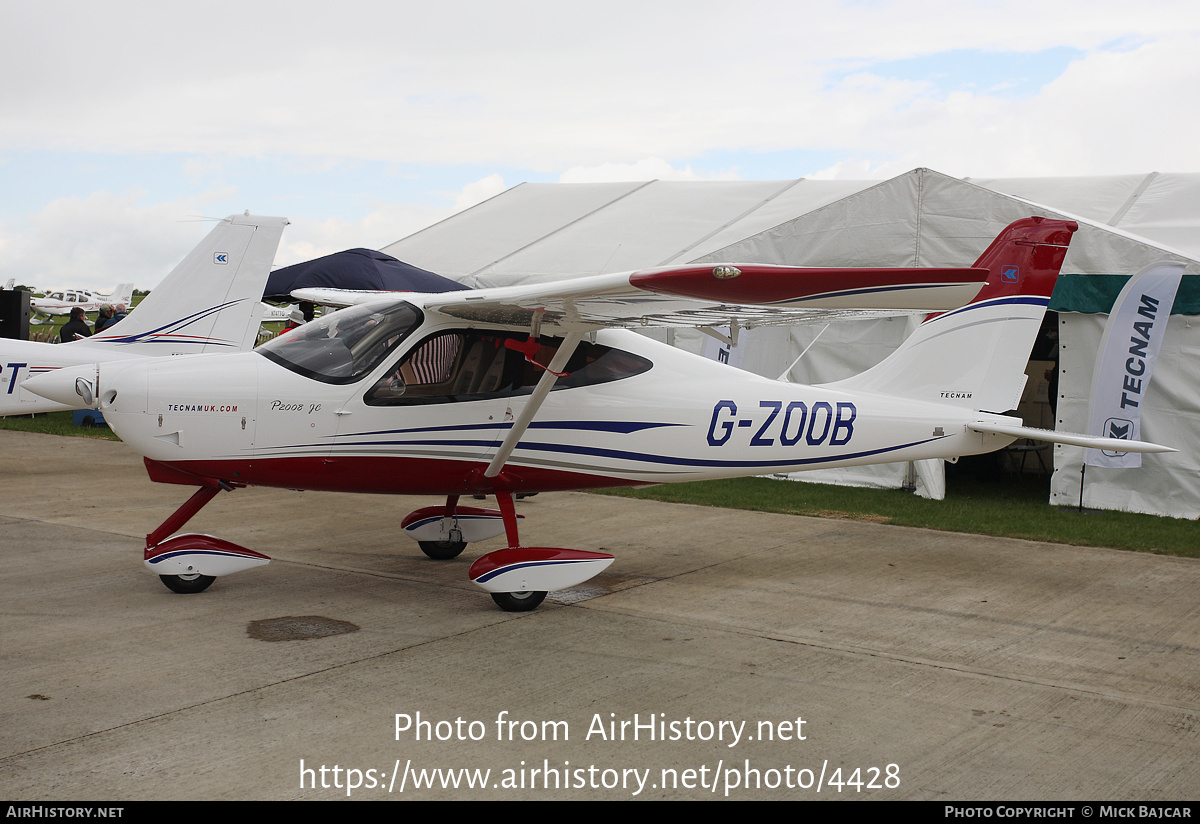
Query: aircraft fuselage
[[660, 416]]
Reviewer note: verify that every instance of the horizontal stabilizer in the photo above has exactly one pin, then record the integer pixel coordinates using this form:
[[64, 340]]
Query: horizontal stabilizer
[[1070, 438]]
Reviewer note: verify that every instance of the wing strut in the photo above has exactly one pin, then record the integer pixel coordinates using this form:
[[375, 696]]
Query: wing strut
[[731, 339], [787, 372], [544, 385]]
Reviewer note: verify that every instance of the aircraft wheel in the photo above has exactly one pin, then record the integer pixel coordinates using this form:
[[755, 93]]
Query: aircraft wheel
[[442, 550], [518, 601], [187, 584]]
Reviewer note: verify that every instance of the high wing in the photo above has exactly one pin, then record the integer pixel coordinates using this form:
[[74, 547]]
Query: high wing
[[745, 295]]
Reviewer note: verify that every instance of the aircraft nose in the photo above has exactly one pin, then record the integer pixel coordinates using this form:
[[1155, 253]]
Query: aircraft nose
[[74, 386]]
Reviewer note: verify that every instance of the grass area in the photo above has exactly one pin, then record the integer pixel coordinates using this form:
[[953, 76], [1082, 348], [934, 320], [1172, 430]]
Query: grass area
[[56, 423], [975, 503], [47, 330]]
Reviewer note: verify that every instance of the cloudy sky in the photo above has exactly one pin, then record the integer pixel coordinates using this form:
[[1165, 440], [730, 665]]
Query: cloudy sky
[[123, 125]]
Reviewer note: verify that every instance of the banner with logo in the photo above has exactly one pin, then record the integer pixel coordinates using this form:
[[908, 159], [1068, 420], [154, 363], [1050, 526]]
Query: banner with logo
[[1128, 350]]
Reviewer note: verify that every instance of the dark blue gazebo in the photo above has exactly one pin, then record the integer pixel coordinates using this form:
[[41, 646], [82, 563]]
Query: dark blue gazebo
[[356, 269]]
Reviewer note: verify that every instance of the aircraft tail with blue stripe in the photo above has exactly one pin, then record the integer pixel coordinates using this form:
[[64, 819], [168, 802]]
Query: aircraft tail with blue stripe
[[975, 356], [208, 303]]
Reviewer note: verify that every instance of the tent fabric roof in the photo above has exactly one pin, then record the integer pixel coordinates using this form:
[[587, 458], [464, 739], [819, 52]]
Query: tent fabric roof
[[538, 232], [1164, 208], [928, 219], [591, 228]]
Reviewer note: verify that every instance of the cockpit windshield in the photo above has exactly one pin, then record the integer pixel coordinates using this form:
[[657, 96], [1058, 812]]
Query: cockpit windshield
[[343, 346]]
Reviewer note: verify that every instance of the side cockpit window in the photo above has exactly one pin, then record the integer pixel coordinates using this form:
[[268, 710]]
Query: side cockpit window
[[426, 370], [343, 346], [466, 365]]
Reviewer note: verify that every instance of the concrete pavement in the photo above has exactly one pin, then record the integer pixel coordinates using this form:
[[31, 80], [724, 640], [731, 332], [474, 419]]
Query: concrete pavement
[[931, 665]]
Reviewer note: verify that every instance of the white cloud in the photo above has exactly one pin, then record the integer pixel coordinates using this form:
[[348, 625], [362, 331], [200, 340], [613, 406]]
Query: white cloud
[[104, 238], [605, 91], [1109, 113], [98, 241], [650, 168], [306, 239], [480, 83], [850, 170], [101, 240], [479, 191]]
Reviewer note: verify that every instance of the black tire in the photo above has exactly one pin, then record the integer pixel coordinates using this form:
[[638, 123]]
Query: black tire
[[442, 550], [187, 584], [518, 601]]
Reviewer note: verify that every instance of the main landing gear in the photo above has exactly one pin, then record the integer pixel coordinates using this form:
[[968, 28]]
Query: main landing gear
[[524, 599], [518, 578], [443, 532], [442, 550]]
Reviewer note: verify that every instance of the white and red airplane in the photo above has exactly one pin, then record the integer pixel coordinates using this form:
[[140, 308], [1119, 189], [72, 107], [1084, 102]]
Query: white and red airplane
[[62, 301], [210, 302], [529, 389]]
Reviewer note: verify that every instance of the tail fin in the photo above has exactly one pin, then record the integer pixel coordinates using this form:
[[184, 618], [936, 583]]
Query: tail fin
[[210, 301], [975, 356], [122, 294]]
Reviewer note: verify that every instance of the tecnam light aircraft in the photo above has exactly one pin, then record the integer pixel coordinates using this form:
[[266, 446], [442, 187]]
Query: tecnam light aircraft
[[211, 302], [525, 389]]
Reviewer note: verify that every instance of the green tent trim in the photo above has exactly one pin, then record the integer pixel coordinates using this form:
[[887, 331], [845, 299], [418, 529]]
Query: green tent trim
[[1096, 294]]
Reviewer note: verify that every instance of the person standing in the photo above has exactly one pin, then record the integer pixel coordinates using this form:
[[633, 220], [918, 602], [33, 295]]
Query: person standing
[[76, 328], [105, 318]]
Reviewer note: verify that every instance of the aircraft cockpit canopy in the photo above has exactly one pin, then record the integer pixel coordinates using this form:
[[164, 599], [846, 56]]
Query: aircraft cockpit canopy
[[343, 346]]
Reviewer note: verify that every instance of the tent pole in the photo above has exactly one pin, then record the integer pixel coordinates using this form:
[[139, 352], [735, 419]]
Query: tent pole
[[1082, 472]]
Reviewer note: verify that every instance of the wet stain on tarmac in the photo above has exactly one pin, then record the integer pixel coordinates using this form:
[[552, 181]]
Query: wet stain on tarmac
[[298, 628]]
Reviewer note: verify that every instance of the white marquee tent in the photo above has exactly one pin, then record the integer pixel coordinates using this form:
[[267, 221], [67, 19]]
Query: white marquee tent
[[923, 218]]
